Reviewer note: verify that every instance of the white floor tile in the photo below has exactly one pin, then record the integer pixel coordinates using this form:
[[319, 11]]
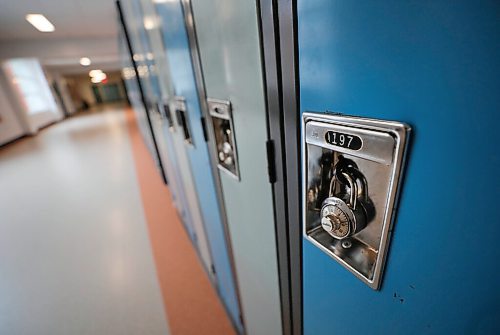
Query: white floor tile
[[75, 256]]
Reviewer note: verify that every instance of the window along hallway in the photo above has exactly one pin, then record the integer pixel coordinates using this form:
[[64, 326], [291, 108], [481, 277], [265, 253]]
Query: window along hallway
[[84, 215]]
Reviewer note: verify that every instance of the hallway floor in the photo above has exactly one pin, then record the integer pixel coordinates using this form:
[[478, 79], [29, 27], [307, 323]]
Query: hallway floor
[[76, 253], [75, 256]]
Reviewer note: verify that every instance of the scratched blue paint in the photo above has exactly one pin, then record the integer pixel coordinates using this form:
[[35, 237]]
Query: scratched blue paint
[[183, 78], [434, 65]]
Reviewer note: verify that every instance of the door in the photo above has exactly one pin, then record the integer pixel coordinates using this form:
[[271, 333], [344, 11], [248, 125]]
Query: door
[[178, 52], [229, 47], [433, 65]]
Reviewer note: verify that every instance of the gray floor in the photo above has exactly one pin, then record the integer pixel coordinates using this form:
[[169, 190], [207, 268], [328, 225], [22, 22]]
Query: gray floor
[[75, 257]]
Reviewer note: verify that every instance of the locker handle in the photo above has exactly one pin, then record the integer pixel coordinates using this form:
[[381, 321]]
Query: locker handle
[[183, 123], [204, 128]]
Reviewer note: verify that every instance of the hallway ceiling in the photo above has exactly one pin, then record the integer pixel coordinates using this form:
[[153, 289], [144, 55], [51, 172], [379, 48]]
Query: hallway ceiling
[[72, 18], [83, 28]]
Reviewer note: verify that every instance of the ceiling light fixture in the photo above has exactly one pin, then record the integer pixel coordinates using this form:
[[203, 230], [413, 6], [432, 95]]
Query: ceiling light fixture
[[85, 61], [94, 73], [40, 22], [97, 76]]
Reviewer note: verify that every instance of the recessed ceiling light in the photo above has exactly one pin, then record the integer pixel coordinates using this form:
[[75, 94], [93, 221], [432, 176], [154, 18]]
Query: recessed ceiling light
[[93, 73], [98, 78], [85, 61], [40, 22]]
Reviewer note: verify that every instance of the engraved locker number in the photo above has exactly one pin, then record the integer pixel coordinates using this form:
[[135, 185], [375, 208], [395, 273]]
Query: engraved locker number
[[348, 141]]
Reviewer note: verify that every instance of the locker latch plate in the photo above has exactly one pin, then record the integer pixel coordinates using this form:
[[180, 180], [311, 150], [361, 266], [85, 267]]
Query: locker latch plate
[[222, 121], [341, 154]]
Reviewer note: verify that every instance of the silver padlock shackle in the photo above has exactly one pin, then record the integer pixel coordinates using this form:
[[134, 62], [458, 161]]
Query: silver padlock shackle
[[332, 184], [362, 191], [353, 186], [353, 197]]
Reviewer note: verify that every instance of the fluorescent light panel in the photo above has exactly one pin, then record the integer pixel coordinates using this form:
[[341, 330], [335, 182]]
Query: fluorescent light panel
[[40, 22]]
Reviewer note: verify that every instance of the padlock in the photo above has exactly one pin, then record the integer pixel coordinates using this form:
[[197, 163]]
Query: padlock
[[345, 215]]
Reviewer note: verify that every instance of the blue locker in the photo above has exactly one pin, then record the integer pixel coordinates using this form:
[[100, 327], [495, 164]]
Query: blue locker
[[152, 87], [183, 78], [134, 97], [159, 89], [434, 65], [130, 79]]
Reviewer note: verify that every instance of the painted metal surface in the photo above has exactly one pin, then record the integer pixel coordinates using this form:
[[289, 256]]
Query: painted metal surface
[[140, 88], [136, 92], [435, 66], [228, 40], [181, 70], [156, 93], [133, 94], [134, 23], [155, 53]]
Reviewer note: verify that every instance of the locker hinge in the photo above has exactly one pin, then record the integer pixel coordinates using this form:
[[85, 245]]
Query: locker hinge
[[212, 267], [204, 128], [271, 161]]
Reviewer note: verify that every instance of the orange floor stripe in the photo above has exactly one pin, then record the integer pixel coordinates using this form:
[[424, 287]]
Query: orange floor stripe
[[191, 303]]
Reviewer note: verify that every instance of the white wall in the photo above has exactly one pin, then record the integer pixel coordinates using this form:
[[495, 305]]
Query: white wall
[[55, 78], [32, 92], [80, 89], [10, 125], [66, 97], [80, 86]]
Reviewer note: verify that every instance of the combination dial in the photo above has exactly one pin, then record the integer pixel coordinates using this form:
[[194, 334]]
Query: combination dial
[[344, 215], [336, 218]]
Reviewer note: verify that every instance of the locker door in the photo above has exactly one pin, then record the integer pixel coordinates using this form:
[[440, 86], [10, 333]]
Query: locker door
[[434, 65], [158, 92], [229, 46], [181, 70], [134, 97], [139, 38], [162, 119], [140, 104]]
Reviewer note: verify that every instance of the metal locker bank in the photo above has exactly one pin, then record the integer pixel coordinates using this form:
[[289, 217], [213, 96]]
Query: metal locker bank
[[229, 48], [341, 156], [159, 105], [191, 125], [162, 99], [135, 97], [249, 167], [389, 115]]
